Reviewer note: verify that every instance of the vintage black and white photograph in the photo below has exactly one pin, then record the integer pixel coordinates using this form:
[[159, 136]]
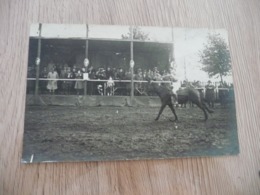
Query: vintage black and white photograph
[[100, 92]]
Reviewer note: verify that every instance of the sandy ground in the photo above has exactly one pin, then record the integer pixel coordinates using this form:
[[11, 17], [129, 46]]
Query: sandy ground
[[60, 133]]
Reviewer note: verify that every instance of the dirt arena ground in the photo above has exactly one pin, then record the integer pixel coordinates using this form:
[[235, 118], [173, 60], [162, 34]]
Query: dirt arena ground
[[60, 133]]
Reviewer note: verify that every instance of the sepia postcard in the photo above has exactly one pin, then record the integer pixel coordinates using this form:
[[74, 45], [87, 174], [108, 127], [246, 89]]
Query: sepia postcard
[[100, 92]]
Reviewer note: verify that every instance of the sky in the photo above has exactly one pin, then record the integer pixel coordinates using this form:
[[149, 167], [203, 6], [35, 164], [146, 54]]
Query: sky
[[187, 45], [188, 42]]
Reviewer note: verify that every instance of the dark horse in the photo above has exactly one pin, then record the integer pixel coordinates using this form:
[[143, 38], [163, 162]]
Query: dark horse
[[165, 95], [189, 93]]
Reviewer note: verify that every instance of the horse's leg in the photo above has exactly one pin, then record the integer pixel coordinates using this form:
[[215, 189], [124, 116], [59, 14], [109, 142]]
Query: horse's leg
[[161, 110], [173, 111], [203, 109], [205, 106], [208, 102]]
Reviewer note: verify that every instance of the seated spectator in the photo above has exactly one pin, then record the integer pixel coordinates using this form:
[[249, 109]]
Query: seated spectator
[[100, 89]]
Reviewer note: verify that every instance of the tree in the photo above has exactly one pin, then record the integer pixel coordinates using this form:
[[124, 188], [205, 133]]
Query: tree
[[137, 34], [216, 57]]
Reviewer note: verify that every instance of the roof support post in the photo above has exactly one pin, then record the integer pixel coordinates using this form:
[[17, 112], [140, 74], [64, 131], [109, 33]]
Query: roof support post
[[132, 65], [86, 60], [37, 62]]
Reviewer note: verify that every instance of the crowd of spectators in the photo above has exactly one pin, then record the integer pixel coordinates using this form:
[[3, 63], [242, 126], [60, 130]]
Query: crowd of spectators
[[102, 75], [99, 74]]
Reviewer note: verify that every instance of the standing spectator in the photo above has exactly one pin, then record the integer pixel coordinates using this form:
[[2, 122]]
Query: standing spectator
[[74, 73], [156, 74], [120, 85], [92, 75], [145, 75], [116, 74], [79, 84], [121, 74], [155, 71], [150, 74], [63, 83], [83, 70], [109, 73], [50, 66], [210, 94], [68, 84], [44, 73], [52, 84], [128, 84], [139, 85], [110, 86], [101, 74], [43, 83], [139, 75]]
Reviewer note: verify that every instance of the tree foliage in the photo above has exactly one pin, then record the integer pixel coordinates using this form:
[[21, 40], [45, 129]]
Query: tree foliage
[[137, 34], [216, 57]]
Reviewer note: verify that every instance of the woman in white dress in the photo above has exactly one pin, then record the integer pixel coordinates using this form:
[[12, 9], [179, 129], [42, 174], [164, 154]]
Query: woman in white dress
[[52, 84]]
